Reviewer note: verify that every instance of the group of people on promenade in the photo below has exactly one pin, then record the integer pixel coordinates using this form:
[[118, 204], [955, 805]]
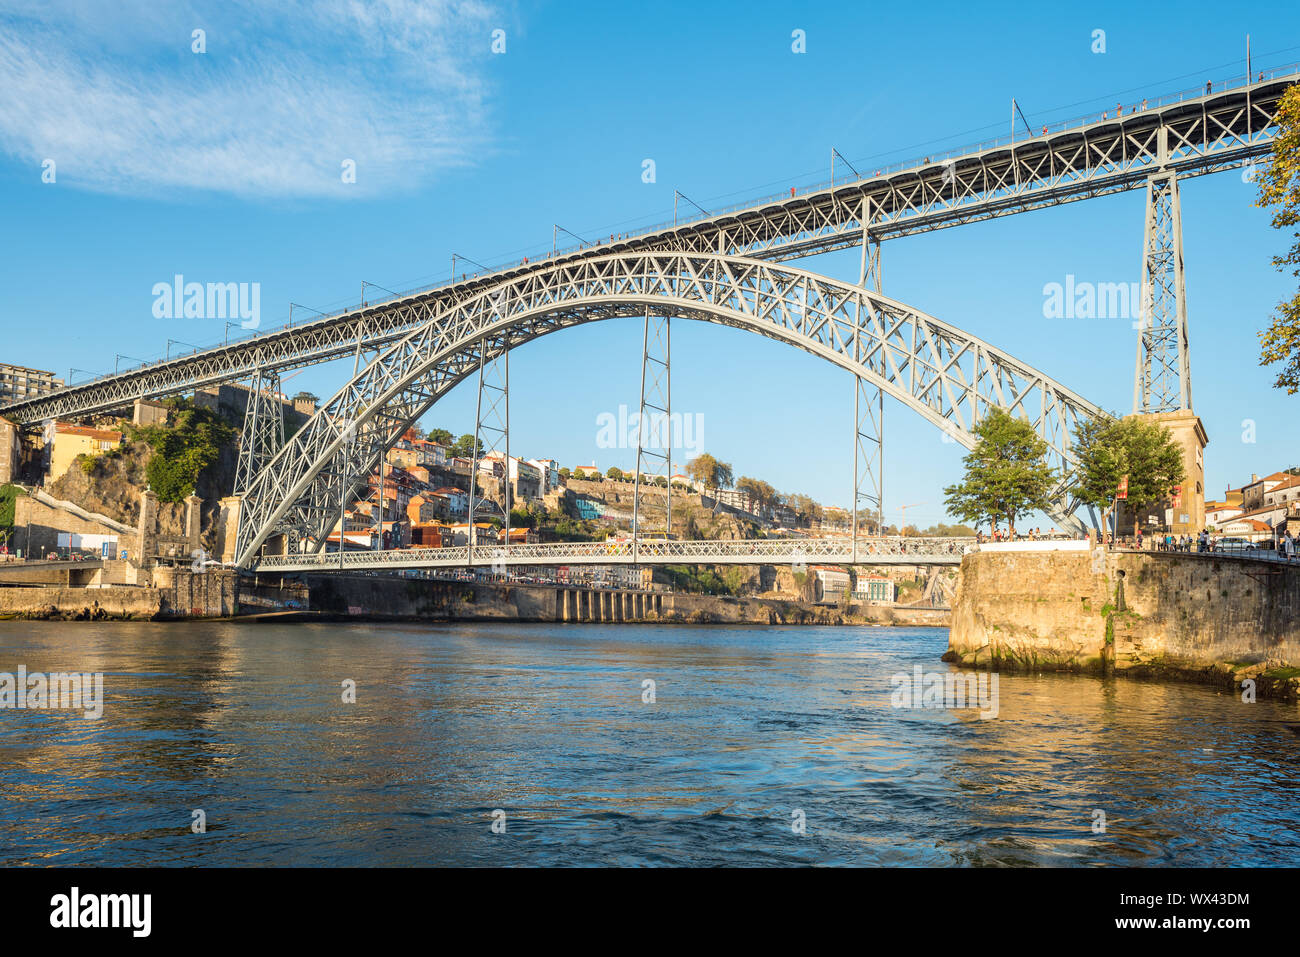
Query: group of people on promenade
[[1285, 545], [999, 535]]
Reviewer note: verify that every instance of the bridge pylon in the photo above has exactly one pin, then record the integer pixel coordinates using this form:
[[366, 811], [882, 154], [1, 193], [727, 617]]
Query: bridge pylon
[[262, 434], [868, 402], [1163, 380], [491, 433], [654, 427]]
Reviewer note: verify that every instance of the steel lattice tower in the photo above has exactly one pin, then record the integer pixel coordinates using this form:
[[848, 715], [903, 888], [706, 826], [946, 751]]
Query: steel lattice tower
[[654, 423], [263, 431], [1163, 381]]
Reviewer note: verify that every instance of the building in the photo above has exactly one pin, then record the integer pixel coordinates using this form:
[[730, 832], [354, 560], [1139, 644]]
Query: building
[[733, 498], [1217, 513], [444, 503], [1252, 494], [876, 590], [610, 576], [525, 479], [402, 456], [1251, 529], [830, 584], [836, 518], [304, 403], [586, 471], [549, 470], [230, 399], [11, 451], [1284, 492], [430, 535], [73, 440], [431, 453], [485, 533], [19, 382], [457, 500]]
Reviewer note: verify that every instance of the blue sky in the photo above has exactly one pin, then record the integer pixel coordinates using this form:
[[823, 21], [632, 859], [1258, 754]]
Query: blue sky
[[224, 166]]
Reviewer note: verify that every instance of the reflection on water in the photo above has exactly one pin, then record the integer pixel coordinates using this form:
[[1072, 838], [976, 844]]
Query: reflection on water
[[547, 723]]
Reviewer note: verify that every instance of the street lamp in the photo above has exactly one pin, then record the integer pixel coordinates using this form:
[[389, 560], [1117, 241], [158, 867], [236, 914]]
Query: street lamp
[[365, 283], [179, 342], [455, 256], [119, 357], [298, 305]]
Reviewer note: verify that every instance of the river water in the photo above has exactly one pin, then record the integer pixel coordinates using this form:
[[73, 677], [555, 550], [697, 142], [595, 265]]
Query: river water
[[751, 731]]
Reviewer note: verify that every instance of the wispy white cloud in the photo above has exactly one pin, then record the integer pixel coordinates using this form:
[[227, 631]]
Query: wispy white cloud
[[284, 94]]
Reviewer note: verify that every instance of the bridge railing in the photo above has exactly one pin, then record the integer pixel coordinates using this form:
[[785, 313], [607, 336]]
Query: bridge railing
[[1239, 81], [756, 551]]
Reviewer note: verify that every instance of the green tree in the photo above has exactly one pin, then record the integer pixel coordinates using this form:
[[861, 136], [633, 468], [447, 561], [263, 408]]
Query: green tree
[[191, 441], [1109, 449], [708, 470], [1007, 475], [1101, 465], [1279, 190], [464, 447], [440, 436], [806, 508], [615, 473], [763, 494]]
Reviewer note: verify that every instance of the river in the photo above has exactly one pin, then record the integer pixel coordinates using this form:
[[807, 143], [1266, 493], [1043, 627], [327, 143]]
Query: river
[[763, 745]]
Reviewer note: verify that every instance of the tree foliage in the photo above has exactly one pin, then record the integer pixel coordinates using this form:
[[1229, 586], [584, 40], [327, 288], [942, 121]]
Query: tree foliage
[[463, 447], [762, 494], [1279, 190], [707, 469], [191, 441], [806, 509], [1007, 475], [940, 530], [1109, 449]]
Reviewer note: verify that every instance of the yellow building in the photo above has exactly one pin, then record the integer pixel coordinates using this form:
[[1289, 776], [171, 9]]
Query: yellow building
[[73, 440]]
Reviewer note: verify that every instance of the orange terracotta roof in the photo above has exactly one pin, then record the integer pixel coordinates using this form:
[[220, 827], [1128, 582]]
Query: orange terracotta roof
[[67, 428]]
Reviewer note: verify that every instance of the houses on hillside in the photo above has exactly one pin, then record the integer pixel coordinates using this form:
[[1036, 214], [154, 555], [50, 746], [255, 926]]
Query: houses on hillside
[[1260, 510]]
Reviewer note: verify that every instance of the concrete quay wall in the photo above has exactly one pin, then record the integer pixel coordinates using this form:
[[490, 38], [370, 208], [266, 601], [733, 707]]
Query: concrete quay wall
[[374, 596]]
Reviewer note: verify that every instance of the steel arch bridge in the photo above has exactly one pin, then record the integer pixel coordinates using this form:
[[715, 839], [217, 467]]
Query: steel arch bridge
[[1187, 133], [947, 376]]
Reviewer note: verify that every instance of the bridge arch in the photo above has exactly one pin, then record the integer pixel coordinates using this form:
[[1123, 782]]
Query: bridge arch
[[944, 374]]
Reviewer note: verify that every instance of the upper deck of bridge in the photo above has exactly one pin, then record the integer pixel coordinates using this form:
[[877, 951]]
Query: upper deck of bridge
[[805, 220]]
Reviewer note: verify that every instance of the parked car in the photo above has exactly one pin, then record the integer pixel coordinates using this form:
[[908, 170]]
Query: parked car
[[1236, 545]]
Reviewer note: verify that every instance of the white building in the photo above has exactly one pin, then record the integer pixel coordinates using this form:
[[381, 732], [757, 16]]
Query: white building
[[549, 469], [831, 584], [875, 590]]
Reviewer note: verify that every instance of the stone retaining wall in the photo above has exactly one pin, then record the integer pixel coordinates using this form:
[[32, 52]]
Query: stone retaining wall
[[1211, 618]]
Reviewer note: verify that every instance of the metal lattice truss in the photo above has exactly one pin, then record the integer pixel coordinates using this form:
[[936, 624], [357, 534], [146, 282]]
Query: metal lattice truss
[[263, 431], [944, 374], [868, 452], [1163, 382], [767, 551], [654, 432], [491, 437], [1191, 136], [1201, 135]]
